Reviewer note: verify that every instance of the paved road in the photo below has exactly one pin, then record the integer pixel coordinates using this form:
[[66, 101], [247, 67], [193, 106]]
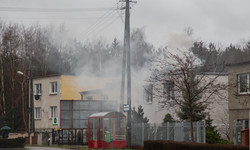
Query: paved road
[[35, 148], [43, 148]]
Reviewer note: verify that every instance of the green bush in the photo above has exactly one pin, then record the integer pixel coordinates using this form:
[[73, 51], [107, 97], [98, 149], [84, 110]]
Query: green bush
[[212, 135], [12, 143], [171, 145]]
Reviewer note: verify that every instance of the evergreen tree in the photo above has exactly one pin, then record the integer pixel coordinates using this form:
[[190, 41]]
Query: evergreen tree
[[138, 116], [212, 135], [168, 118], [191, 95]]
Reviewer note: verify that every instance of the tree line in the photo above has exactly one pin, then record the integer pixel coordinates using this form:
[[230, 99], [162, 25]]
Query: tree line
[[47, 51]]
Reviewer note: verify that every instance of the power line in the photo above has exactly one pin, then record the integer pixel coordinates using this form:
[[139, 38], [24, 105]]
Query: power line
[[47, 18], [100, 21], [99, 25], [100, 30], [19, 9]]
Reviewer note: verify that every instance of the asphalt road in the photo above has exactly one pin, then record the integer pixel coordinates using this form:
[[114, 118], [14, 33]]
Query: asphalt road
[[43, 148], [35, 148]]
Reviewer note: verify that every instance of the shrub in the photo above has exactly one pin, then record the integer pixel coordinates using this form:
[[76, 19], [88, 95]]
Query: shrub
[[12, 143], [171, 145]]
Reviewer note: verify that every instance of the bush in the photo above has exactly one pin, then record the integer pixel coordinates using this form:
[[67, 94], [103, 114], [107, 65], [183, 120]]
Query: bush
[[12, 143], [171, 145]]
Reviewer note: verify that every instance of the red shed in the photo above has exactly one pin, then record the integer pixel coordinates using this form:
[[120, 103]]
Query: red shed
[[113, 123]]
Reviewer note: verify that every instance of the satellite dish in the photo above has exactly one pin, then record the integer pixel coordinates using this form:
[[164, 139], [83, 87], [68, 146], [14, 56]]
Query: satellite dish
[[37, 97]]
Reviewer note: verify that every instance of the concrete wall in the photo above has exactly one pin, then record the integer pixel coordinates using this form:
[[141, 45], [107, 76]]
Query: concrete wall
[[46, 101], [239, 104], [154, 112]]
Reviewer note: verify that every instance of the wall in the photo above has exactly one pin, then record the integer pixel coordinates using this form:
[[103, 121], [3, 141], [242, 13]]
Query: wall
[[46, 100], [238, 104]]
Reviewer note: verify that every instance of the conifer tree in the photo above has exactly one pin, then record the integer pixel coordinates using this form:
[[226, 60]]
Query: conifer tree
[[138, 116]]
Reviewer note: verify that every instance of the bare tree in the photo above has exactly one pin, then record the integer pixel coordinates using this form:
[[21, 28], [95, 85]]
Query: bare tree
[[2, 100], [179, 82]]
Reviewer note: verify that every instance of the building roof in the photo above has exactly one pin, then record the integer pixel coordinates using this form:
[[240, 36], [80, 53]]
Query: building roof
[[47, 76], [238, 64], [107, 114]]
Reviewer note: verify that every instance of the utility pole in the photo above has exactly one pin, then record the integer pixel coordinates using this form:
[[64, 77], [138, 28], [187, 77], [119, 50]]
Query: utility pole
[[127, 34], [126, 66], [32, 102]]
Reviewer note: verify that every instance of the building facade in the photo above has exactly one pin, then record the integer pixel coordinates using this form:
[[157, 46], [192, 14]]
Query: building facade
[[46, 101], [50, 92], [238, 96], [54, 90]]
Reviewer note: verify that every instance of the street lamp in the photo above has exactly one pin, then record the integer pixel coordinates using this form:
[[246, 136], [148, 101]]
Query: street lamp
[[31, 102]]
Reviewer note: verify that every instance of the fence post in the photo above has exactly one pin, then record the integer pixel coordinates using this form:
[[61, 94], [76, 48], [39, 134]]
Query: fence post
[[198, 131], [167, 130], [235, 133], [142, 133], [204, 131], [154, 131], [181, 130]]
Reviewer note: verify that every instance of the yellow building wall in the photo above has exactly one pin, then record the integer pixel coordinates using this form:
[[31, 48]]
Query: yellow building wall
[[69, 91], [71, 86]]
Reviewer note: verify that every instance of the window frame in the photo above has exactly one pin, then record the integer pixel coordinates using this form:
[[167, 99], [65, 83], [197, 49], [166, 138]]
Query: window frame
[[53, 88], [38, 109], [168, 90], [52, 112], [38, 91], [148, 94], [239, 84]]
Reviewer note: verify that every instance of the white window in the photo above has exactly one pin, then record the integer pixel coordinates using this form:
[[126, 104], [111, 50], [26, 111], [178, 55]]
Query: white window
[[243, 83], [38, 89], [38, 113], [148, 94], [53, 87], [53, 111], [168, 90]]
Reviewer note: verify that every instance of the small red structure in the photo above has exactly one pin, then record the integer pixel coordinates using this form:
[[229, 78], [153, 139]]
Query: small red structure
[[244, 137], [113, 123]]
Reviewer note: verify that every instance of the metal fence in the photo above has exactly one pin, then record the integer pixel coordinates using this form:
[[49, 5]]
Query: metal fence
[[238, 125], [70, 137], [168, 131]]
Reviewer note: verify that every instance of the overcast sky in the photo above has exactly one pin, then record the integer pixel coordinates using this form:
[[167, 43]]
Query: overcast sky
[[224, 21]]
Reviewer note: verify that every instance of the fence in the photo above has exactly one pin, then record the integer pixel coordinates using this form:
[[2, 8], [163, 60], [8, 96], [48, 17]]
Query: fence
[[70, 137], [238, 125], [168, 131]]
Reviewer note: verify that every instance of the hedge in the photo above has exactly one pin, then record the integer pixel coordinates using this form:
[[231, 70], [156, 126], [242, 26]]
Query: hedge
[[171, 145], [12, 143]]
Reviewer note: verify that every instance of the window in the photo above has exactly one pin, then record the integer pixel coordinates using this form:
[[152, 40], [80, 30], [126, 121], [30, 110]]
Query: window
[[38, 113], [38, 89], [148, 93], [53, 88], [243, 83], [168, 90], [53, 111]]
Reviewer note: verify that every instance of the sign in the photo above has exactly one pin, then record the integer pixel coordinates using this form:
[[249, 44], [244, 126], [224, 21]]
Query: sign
[[55, 121], [125, 107]]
